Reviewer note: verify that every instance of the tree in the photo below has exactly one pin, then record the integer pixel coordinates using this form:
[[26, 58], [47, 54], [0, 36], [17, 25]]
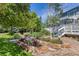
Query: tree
[[19, 16], [56, 8], [56, 11], [14, 15], [52, 20], [39, 24], [34, 23]]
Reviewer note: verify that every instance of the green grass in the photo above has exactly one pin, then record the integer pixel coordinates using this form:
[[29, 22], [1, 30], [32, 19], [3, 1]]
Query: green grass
[[34, 34], [10, 49], [5, 35]]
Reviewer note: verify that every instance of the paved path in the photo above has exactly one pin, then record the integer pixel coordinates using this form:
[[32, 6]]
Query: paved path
[[73, 51]]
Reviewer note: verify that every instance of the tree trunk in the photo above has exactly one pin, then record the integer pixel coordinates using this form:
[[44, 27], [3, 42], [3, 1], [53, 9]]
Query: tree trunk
[[21, 31], [51, 36], [11, 30], [31, 31]]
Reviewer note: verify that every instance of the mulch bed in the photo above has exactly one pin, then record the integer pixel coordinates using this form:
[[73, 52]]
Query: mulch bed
[[40, 47]]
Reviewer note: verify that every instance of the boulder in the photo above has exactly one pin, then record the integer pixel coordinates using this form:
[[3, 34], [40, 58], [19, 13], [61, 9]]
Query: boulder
[[66, 46], [14, 40], [42, 49], [57, 46]]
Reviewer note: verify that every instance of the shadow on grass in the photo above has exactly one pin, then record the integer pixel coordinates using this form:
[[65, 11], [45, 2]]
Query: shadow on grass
[[11, 49]]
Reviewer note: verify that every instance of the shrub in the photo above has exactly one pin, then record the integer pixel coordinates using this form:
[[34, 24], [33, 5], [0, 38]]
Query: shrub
[[22, 30], [33, 34], [13, 30], [55, 41], [17, 36], [36, 34], [2, 30], [11, 33], [29, 42], [58, 41], [45, 32]]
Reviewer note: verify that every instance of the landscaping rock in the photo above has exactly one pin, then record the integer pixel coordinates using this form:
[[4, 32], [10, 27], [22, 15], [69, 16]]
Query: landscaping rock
[[42, 49], [14, 40], [66, 46]]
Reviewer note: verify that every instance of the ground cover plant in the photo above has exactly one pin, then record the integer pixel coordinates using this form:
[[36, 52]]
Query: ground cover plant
[[10, 49]]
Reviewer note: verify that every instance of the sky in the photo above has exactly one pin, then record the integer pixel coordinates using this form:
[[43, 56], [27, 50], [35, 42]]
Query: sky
[[41, 9]]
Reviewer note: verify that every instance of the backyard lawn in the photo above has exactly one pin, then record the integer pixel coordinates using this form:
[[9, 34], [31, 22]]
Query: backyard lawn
[[10, 49]]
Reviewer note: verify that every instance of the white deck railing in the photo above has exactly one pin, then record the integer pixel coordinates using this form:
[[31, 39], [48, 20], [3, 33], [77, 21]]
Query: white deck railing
[[67, 29], [60, 30], [72, 29]]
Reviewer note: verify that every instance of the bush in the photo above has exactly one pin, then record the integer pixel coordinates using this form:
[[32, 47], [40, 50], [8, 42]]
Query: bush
[[2, 30], [44, 32], [55, 41], [33, 34], [39, 34], [13, 30], [17, 36], [21, 31], [29, 42], [36, 34], [11, 33]]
